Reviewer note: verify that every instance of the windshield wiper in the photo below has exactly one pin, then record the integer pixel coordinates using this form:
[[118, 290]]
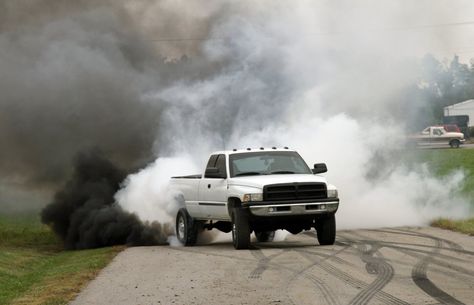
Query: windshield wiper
[[282, 172], [248, 174]]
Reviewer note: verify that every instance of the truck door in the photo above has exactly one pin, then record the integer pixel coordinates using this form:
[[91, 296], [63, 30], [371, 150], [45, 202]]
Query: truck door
[[438, 136], [213, 191], [425, 136]]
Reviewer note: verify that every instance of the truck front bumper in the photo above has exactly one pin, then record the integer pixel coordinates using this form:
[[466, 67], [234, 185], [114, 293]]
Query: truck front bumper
[[293, 208]]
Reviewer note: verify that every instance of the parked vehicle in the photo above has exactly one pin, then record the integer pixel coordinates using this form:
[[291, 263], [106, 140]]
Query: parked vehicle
[[260, 190], [436, 135]]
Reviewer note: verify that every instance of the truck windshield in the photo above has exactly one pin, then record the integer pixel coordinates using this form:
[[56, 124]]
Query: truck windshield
[[267, 163]]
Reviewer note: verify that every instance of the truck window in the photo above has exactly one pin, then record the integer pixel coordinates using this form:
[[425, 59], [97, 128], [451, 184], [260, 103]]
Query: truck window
[[212, 161], [217, 161], [220, 164], [267, 163]]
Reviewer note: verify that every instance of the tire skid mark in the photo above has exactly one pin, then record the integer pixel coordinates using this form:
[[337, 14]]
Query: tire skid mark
[[451, 244], [373, 265], [263, 262], [406, 246], [329, 296], [421, 279], [455, 247], [419, 270], [394, 245], [434, 261], [412, 252], [380, 295]]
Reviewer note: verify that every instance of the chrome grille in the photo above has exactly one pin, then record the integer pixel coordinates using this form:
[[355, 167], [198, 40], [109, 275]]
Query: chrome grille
[[294, 191]]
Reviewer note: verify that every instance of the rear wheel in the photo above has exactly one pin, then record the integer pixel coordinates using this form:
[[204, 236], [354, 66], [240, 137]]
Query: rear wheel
[[240, 229], [265, 236], [186, 228], [326, 229], [454, 143]]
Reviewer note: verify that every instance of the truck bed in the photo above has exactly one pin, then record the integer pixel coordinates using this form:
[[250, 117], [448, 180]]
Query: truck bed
[[188, 177]]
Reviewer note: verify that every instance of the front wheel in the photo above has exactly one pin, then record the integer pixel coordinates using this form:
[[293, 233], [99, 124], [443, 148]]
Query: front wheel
[[186, 228], [326, 229], [454, 143], [240, 229]]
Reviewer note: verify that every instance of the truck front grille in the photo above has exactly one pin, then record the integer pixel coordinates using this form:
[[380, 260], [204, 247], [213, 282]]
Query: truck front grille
[[294, 191]]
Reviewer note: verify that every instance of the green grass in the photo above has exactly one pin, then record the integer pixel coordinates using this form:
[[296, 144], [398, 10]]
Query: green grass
[[464, 226], [35, 270], [442, 162]]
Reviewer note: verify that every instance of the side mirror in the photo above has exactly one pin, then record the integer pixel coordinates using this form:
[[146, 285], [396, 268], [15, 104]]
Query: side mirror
[[213, 172], [319, 168]]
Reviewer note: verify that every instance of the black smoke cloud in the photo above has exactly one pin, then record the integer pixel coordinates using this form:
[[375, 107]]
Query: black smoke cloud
[[71, 78], [83, 212]]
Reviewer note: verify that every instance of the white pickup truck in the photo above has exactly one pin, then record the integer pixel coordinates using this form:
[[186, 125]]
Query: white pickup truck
[[260, 190], [436, 135]]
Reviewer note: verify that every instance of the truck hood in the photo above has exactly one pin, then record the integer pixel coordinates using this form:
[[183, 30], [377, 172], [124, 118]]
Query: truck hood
[[262, 180]]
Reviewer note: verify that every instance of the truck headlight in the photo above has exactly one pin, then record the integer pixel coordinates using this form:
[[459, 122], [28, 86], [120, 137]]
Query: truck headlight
[[332, 193], [253, 197]]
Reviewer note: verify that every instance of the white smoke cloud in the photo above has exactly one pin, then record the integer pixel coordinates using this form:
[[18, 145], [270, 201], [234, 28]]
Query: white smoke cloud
[[147, 194], [320, 79]]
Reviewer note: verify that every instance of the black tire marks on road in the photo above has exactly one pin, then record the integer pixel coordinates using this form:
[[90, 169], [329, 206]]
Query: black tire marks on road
[[420, 278], [438, 255], [329, 296], [263, 262], [374, 265], [419, 270], [371, 290]]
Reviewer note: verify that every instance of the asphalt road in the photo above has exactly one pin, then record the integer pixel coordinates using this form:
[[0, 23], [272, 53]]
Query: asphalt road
[[396, 266], [445, 146]]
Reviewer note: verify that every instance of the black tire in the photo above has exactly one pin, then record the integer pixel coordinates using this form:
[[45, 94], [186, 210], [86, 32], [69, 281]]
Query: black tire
[[265, 236], [326, 229], [240, 229], [186, 228], [454, 143]]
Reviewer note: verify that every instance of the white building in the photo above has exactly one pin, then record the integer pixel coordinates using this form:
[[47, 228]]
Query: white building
[[463, 108]]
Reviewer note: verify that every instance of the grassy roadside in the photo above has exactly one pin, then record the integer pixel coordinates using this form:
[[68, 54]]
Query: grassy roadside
[[444, 161], [464, 226], [35, 270]]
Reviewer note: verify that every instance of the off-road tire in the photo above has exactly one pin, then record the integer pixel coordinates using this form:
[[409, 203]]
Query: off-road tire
[[186, 228], [454, 143], [240, 229], [326, 229], [265, 236]]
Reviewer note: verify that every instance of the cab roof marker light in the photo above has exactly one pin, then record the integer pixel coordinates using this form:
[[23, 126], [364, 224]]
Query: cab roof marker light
[[274, 147], [261, 148], [248, 148], [286, 147], [235, 149]]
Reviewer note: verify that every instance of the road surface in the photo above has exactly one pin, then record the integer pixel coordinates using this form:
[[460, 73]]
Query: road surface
[[445, 146], [395, 266]]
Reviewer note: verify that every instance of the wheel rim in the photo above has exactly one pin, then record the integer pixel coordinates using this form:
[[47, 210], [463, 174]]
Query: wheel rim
[[181, 228]]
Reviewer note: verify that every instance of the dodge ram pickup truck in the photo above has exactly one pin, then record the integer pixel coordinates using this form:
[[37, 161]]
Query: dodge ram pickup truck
[[435, 135], [256, 190]]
